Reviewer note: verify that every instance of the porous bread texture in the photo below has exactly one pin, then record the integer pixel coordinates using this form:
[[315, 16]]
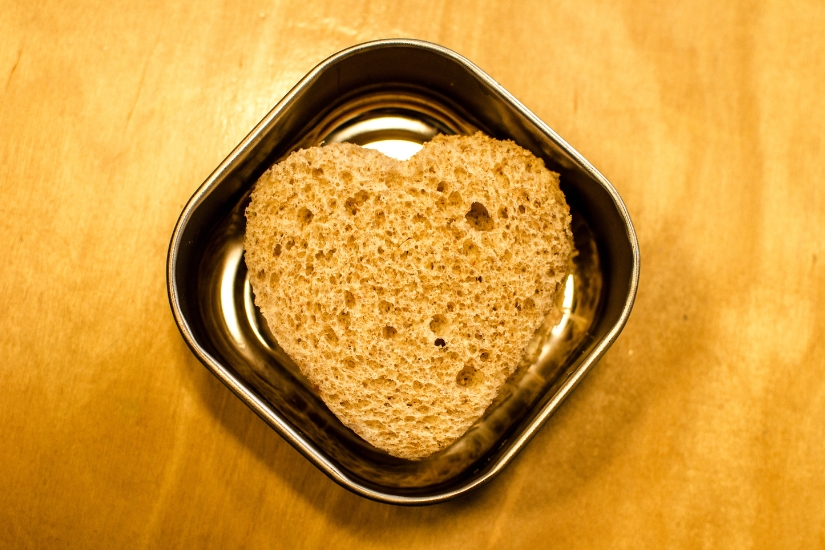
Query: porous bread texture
[[406, 292]]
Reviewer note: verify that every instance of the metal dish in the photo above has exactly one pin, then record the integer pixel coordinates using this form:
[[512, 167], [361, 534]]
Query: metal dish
[[393, 95]]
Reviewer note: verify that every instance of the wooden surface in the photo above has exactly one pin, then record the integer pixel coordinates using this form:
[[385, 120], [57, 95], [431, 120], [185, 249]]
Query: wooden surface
[[703, 427]]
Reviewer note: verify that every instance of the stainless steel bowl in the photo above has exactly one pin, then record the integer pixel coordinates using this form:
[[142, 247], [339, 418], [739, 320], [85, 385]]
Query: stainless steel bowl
[[394, 95]]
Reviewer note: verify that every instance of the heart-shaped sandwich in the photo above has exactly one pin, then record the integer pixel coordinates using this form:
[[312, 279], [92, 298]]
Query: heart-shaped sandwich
[[407, 292]]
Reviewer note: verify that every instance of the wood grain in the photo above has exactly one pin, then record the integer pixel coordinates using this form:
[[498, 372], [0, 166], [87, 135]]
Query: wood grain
[[703, 427]]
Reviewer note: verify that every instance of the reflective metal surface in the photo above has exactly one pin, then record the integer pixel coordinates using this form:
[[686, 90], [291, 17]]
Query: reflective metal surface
[[394, 95]]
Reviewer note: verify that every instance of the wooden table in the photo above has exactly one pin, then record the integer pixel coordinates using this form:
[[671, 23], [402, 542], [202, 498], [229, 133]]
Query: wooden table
[[704, 425]]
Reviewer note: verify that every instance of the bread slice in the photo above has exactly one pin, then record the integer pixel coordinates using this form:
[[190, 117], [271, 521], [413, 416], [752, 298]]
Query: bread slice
[[407, 292]]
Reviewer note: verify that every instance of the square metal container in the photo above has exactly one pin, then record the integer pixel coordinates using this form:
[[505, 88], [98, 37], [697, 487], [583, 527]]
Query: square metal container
[[408, 91]]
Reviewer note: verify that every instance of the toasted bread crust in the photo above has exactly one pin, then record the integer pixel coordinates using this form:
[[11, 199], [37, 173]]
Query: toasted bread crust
[[407, 291]]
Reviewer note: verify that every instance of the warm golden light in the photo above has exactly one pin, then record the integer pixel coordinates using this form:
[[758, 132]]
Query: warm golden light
[[395, 148], [566, 306], [230, 314], [567, 303]]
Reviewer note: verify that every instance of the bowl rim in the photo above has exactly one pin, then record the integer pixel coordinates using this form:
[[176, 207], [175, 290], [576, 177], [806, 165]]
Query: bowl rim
[[282, 425]]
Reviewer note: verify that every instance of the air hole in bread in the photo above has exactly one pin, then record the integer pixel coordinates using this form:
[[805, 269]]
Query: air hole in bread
[[384, 307], [529, 304], [278, 249], [469, 248], [330, 335], [521, 209], [440, 342], [455, 198], [382, 382], [389, 332], [351, 244], [304, 216], [343, 319], [502, 213], [467, 376], [349, 299], [352, 203], [441, 187], [438, 324], [484, 356], [479, 218]]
